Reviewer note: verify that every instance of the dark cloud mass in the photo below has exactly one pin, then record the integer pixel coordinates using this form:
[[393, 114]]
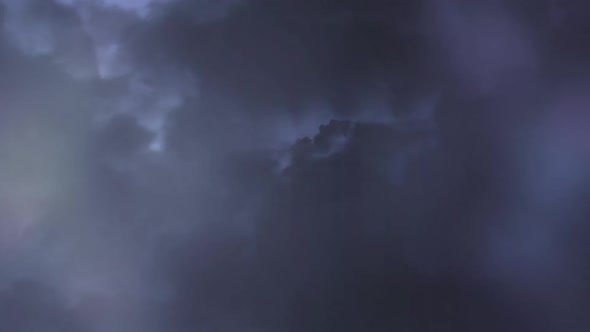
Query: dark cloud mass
[[285, 165]]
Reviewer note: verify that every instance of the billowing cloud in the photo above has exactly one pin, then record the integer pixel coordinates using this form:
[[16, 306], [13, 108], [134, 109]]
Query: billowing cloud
[[282, 165]]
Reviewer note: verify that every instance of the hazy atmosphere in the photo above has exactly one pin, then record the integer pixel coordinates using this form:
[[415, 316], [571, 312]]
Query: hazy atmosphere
[[294, 165]]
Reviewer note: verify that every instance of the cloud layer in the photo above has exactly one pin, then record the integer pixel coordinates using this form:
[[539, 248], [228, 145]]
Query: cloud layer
[[283, 165]]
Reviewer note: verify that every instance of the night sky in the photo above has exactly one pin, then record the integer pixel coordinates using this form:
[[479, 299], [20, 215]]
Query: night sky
[[294, 166]]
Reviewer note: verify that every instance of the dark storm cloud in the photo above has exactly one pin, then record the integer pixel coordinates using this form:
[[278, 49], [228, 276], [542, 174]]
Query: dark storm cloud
[[337, 246], [338, 242], [32, 306], [287, 54], [265, 165], [52, 232], [49, 28], [123, 137]]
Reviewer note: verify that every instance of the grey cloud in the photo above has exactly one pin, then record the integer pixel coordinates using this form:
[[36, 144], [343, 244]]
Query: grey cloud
[[482, 43], [275, 54], [326, 229], [33, 306], [48, 28], [121, 139], [295, 166]]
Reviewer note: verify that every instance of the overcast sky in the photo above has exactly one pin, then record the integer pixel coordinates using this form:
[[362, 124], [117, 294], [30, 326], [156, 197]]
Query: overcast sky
[[294, 166]]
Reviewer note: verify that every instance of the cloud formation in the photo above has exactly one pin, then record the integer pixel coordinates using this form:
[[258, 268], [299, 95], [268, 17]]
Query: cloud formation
[[282, 165]]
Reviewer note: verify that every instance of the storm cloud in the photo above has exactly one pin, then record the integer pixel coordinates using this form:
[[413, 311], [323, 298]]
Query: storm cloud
[[284, 165]]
